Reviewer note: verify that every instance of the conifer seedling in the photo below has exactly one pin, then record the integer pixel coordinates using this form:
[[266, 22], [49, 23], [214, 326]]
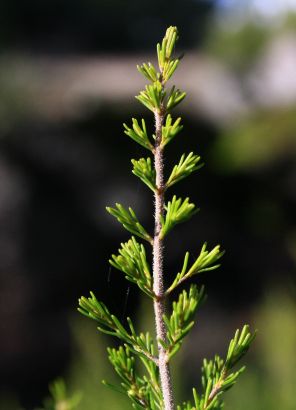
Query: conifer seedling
[[150, 386]]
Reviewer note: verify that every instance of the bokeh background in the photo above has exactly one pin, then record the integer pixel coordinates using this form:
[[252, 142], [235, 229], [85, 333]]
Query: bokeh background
[[67, 83]]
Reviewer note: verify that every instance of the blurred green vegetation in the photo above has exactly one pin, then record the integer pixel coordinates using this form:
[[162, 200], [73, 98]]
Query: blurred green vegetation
[[90, 366], [270, 379], [263, 138], [9, 401], [238, 47]]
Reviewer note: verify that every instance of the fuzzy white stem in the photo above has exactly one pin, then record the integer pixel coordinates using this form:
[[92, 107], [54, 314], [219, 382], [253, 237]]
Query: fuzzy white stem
[[158, 287]]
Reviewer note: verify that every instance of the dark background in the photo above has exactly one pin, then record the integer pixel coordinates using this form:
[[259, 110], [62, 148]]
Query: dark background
[[96, 26]]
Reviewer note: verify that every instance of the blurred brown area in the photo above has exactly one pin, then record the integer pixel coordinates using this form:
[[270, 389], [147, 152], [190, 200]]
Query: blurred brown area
[[67, 80]]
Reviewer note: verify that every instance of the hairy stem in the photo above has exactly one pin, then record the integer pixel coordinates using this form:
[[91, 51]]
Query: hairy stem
[[158, 286]]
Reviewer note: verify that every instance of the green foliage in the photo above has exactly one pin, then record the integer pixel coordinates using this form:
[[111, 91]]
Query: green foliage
[[149, 71], [175, 97], [181, 319], [177, 211], [165, 50], [59, 399], [238, 347], [170, 130], [129, 221], [270, 381], [98, 311], [217, 375], [265, 138], [110, 325], [132, 261], [144, 169], [184, 168], [239, 48], [206, 261], [147, 385], [89, 366], [139, 134], [153, 96], [144, 391]]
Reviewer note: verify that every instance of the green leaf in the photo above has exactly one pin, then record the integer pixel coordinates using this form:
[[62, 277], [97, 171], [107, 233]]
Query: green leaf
[[153, 96], [170, 130], [109, 324], [216, 378], [186, 406], [98, 311], [165, 50], [139, 134], [141, 344], [169, 69], [174, 98], [185, 167], [149, 71], [132, 261], [196, 398], [206, 261], [211, 370], [177, 211], [181, 319], [144, 391], [239, 346], [144, 169], [124, 365], [129, 221]]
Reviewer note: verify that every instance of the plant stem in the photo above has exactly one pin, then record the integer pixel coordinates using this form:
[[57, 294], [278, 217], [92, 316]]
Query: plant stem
[[158, 286]]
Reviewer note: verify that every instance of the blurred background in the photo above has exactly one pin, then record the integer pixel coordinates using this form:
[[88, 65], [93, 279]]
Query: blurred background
[[67, 83]]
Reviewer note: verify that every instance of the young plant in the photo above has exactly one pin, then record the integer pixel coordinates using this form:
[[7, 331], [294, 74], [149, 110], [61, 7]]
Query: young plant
[[152, 387]]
